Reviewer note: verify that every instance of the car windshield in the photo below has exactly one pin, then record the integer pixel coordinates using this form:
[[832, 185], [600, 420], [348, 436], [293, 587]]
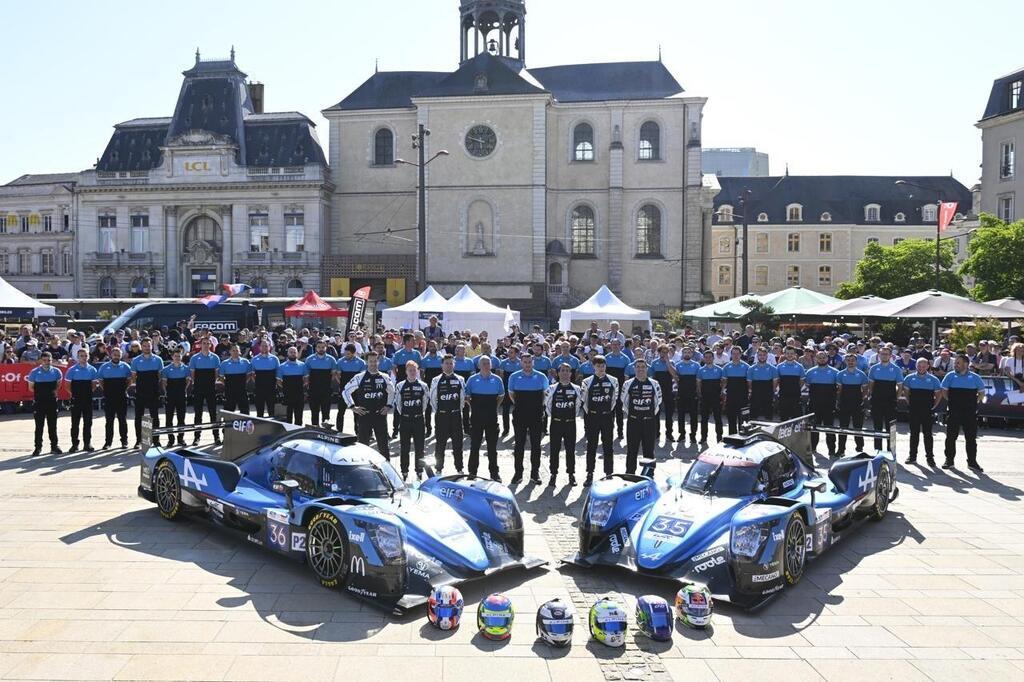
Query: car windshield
[[360, 480], [722, 477]]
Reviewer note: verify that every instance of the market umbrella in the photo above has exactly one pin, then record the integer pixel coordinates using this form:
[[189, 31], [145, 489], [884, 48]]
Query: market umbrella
[[311, 305], [1015, 304], [795, 300], [848, 308], [729, 309], [936, 305]]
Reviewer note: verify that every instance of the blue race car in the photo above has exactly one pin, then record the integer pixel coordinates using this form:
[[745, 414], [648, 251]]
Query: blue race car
[[323, 498], [744, 520]]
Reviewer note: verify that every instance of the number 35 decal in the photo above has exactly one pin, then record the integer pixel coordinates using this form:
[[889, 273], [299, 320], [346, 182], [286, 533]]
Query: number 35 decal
[[667, 524]]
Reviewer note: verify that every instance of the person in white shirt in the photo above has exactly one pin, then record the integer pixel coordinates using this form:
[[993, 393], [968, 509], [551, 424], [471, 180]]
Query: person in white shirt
[[713, 337], [614, 334], [1013, 365]]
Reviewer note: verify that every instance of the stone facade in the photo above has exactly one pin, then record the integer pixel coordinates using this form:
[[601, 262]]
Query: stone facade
[[38, 220], [1002, 134]]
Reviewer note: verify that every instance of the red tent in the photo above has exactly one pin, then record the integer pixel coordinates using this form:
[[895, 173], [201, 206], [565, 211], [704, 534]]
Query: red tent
[[312, 305]]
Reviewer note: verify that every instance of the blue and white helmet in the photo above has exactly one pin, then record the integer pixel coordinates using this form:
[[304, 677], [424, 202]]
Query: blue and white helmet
[[654, 617], [555, 620]]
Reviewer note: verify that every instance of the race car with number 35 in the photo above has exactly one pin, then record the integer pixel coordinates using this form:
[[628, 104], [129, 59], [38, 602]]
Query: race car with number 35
[[745, 518], [321, 497]]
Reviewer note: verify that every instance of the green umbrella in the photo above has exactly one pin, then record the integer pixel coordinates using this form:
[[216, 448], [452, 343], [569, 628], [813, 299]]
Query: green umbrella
[[729, 309], [795, 300]]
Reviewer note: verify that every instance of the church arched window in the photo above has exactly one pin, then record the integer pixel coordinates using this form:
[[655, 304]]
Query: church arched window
[[648, 231], [384, 147], [650, 141], [582, 231], [583, 142]]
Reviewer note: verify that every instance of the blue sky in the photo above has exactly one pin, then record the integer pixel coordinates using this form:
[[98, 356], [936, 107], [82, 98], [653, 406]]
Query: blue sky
[[862, 87]]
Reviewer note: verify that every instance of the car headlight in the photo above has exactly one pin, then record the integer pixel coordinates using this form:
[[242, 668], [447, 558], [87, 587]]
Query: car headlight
[[388, 542], [601, 511], [748, 540], [505, 512]]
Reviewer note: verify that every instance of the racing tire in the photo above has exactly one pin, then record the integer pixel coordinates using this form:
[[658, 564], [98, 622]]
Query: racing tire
[[327, 549], [167, 490], [794, 551], [883, 493]]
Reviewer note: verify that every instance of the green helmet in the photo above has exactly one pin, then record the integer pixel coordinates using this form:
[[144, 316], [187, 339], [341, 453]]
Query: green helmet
[[608, 622], [693, 605]]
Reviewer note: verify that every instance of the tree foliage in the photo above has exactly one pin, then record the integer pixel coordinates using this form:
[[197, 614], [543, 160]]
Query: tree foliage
[[676, 319], [962, 334], [996, 260], [902, 269], [760, 315]]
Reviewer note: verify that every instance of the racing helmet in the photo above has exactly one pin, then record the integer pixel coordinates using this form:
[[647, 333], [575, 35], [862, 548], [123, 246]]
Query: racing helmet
[[694, 605], [444, 607], [654, 617], [555, 622], [494, 617], [608, 622]]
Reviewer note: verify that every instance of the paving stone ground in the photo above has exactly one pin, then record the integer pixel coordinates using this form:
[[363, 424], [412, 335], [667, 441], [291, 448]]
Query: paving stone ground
[[94, 585]]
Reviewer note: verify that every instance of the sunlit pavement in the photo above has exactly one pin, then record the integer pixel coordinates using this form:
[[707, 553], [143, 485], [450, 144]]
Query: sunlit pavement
[[95, 585]]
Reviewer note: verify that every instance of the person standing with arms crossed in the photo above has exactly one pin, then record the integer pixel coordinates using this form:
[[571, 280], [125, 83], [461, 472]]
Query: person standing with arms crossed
[[924, 393], [368, 394], [641, 399], [411, 398], [600, 396], [82, 379], [711, 380], [114, 375], [292, 377], [963, 390], [526, 389], [563, 402], [43, 381], [447, 397], [485, 392], [686, 393], [885, 379], [204, 366], [853, 387], [175, 378], [146, 370]]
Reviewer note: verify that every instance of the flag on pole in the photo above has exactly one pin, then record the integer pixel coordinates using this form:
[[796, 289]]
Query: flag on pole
[[510, 320], [357, 307], [947, 210], [230, 290]]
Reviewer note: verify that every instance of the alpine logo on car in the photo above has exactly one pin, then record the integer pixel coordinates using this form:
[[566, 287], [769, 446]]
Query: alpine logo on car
[[189, 478], [867, 481]]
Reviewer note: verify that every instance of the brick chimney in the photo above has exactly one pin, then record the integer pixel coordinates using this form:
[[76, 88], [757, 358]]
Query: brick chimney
[[256, 96]]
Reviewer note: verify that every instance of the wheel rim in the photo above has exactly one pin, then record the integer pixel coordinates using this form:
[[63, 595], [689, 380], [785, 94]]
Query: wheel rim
[[326, 551], [795, 549], [882, 492], [166, 489]]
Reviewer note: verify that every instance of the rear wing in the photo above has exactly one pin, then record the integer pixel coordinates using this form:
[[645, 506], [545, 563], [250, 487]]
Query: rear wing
[[796, 434], [243, 433]]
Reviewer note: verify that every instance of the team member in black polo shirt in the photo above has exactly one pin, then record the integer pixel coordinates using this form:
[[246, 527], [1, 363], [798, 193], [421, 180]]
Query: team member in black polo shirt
[[924, 393], [563, 401], [264, 369], [43, 381], [411, 398], [963, 390], [641, 400], [175, 378], [791, 376], [82, 378], [600, 396], [485, 391], [368, 394], [146, 370], [885, 378], [115, 375], [526, 388], [447, 396], [686, 393]]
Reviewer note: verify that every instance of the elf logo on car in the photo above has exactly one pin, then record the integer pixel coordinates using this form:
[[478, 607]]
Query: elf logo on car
[[642, 493], [452, 494], [243, 425], [357, 566], [189, 478], [867, 481], [710, 563]]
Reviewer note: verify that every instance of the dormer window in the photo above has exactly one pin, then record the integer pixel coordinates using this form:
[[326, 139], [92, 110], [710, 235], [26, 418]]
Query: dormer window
[[900, 218], [794, 213], [762, 217], [928, 213], [872, 213], [725, 214], [826, 217], [1015, 91]]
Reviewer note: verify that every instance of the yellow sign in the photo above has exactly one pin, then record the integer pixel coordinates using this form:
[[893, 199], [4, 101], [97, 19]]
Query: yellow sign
[[396, 291], [341, 286], [34, 219], [197, 166], [12, 220]]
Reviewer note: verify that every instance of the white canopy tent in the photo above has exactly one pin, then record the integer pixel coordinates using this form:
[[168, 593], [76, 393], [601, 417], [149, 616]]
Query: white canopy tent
[[15, 303], [416, 313], [466, 310], [603, 307]]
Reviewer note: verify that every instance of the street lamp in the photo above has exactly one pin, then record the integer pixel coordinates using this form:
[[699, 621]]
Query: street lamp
[[419, 142]]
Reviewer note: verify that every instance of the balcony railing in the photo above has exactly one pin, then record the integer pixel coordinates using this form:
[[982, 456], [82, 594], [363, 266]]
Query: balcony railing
[[301, 258], [122, 259]]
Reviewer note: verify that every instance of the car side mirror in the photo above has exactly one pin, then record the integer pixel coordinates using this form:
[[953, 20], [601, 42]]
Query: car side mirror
[[817, 486], [760, 487], [287, 488]]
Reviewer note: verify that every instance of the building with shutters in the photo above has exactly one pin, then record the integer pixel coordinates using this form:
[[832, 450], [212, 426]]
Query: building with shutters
[[1002, 129], [37, 231]]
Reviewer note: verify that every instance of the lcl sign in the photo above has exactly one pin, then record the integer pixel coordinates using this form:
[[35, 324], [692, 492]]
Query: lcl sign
[[197, 166]]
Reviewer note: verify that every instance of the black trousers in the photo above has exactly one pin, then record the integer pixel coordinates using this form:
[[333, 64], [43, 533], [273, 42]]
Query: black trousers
[[174, 407], [115, 409], [479, 430], [687, 405], [710, 406], [956, 421], [881, 415], [761, 402], [528, 427], [641, 432], [342, 407], [320, 406], [46, 413], [412, 433], [448, 426], [263, 400], [294, 406], [734, 414], [668, 410], [207, 399], [81, 414], [563, 433], [237, 401], [144, 403], [851, 415], [789, 408], [376, 423], [824, 415], [599, 426], [921, 421], [506, 410]]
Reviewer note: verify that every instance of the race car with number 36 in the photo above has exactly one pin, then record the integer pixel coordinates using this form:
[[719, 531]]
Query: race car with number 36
[[321, 497], [744, 519]]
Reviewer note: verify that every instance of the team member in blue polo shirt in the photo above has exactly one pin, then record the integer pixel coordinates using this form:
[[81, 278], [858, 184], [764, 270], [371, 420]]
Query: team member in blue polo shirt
[[82, 377], [924, 393], [853, 388], [349, 365], [791, 377], [509, 366], [527, 389], [146, 370], [204, 366], [662, 371], [175, 377], [264, 370], [885, 379], [115, 375], [234, 370], [617, 363], [710, 378], [821, 381], [321, 368], [430, 367], [565, 357], [465, 368], [963, 390], [403, 355], [43, 381], [763, 380], [735, 373], [485, 391], [686, 393], [541, 362], [292, 376]]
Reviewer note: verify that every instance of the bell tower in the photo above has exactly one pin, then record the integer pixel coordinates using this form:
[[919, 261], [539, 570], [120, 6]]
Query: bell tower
[[497, 27]]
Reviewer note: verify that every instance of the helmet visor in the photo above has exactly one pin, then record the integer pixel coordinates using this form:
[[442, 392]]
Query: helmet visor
[[659, 619], [446, 611], [614, 626], [558, 626], [495, 621]]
